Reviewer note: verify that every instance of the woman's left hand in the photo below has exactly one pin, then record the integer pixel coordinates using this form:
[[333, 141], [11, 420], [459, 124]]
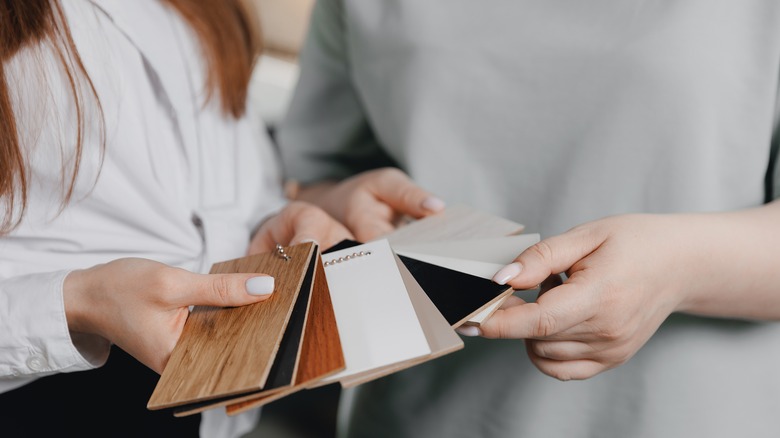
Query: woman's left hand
[[298, 222]]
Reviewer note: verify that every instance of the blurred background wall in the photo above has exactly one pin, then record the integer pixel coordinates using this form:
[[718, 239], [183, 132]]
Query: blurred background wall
[[284, 24]]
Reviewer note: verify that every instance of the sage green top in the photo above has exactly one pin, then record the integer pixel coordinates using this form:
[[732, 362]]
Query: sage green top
[[553, 113]]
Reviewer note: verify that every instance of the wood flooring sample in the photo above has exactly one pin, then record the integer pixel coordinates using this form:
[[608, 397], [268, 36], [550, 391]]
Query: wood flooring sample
[[321, 353], [227, 351], [283, 370]]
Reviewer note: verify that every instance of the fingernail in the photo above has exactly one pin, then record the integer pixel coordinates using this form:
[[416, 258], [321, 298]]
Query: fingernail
[[507, 273], [433, 204], [469, 330], [310, 240], [263, 285]]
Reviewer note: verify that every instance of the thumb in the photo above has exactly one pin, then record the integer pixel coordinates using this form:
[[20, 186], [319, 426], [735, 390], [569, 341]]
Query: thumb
[[550, 256], [229, 290], [398, 191]]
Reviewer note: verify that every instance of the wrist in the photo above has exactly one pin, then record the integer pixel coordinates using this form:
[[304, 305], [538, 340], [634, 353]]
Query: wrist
[[726, 272], [75, 297]]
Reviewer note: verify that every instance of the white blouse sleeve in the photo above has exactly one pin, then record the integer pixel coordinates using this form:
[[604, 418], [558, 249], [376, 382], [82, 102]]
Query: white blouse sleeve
[[34, 336]]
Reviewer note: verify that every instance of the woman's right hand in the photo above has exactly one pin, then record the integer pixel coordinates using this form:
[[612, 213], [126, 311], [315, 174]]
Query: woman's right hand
[[141, 305]]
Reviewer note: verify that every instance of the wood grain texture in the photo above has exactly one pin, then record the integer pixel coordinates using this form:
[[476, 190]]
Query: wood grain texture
[[288, 357], [322, 348], [226, 351], [321, 353], [285, 364]]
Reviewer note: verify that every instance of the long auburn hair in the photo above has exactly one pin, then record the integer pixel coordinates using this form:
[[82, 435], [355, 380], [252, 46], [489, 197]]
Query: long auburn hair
[[230, 41]]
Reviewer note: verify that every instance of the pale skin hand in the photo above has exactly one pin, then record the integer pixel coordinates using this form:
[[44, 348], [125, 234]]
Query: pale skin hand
[[141, 305], [371, 203], [627, 274], [298, 222]]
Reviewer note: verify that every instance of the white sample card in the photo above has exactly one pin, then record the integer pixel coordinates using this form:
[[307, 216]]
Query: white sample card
[[441, 337], [496, 250], [454, 223], [377, 322]]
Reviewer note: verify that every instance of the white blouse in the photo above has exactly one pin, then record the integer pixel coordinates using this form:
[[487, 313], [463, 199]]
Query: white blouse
[[180, 182]]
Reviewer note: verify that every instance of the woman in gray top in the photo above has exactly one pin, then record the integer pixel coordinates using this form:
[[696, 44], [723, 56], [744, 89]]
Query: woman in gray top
[[649, 123]]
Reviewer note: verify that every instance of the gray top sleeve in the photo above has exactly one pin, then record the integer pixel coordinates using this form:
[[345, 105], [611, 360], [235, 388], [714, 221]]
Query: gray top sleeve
[[325, 134], [772, 180]]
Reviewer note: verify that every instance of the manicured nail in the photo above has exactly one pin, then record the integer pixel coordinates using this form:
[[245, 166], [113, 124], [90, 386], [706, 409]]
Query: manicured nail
[[469, 330], [262, 285], [507, 273], [433, 204]]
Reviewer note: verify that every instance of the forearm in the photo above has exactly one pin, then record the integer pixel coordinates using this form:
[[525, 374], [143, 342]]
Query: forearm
[[733, 263]]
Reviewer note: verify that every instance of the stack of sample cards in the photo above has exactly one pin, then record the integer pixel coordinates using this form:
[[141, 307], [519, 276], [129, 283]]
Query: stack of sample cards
[[350, 314]]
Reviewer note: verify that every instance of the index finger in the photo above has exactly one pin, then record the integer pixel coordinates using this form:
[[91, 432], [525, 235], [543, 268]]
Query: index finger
[[398, 191]]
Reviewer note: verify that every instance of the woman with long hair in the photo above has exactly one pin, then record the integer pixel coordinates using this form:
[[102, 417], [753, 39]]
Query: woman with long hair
[[130, 162]]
